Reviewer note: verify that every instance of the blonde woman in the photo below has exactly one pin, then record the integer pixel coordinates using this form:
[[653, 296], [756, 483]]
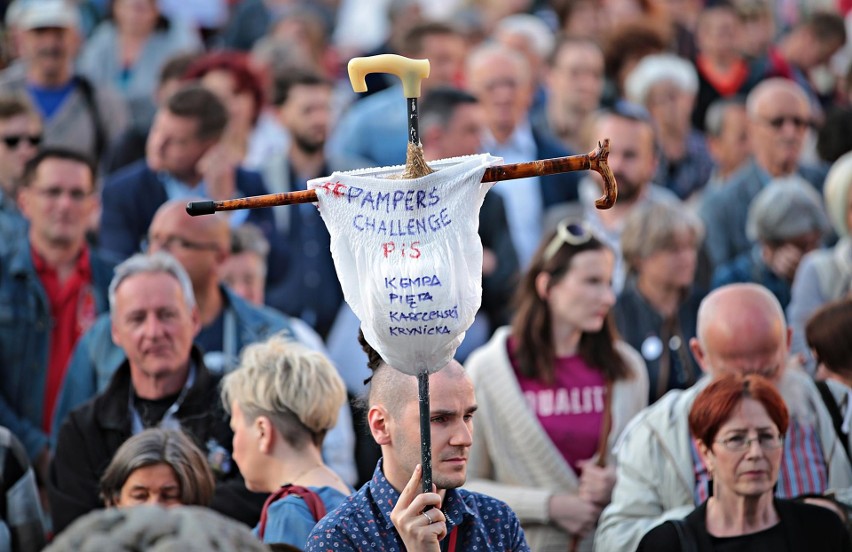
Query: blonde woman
[[283, 400]]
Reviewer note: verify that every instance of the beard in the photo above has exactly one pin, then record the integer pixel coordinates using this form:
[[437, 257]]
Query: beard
[[628, 190], [309, 144]]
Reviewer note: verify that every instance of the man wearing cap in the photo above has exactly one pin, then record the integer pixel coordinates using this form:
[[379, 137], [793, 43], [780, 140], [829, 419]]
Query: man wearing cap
[[76, 114], [785, 220]]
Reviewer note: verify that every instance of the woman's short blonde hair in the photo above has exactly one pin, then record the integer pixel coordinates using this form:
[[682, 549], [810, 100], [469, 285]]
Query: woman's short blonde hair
[[298, 389], [653, 226], [836, 193]]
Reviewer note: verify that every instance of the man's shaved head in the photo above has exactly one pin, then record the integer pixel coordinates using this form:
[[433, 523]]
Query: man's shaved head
[[741, 327]]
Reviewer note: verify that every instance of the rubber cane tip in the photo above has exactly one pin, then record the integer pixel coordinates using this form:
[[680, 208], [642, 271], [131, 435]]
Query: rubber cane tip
[[196, 208]]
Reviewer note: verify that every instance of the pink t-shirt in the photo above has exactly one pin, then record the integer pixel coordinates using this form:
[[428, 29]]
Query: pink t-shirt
[[571, 410]]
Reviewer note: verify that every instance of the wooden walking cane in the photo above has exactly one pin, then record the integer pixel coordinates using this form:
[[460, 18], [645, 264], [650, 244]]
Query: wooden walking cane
[[595, 160], [603, 446]]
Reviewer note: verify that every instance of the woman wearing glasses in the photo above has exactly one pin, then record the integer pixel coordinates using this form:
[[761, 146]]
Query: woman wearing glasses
[[739, 423], [554, 390]]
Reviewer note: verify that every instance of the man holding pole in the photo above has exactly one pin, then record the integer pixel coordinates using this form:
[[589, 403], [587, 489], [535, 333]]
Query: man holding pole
[[387, 512]]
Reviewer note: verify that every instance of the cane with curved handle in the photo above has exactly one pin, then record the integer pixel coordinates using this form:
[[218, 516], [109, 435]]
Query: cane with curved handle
[[596, 160], [410, 71]]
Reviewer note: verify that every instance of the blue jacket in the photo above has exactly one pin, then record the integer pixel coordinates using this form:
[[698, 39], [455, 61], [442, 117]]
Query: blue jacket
[[25, 323], [96, 357], [132, 196]]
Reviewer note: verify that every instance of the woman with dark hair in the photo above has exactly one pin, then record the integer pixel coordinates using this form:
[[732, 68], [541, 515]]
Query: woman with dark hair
[[127, 51], [739, 423], [243, 89], [554, 392], [158, 466], [827, 333]]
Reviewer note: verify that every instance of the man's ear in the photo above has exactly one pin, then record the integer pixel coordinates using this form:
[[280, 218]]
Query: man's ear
[[195, 319], [698, 353], [378, 419]]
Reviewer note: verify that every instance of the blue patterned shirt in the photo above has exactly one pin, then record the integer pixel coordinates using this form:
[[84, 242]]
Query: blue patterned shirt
[[363, 521]]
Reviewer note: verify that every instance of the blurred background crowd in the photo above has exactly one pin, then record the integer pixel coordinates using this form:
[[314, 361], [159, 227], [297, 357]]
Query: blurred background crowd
[[731, 130]]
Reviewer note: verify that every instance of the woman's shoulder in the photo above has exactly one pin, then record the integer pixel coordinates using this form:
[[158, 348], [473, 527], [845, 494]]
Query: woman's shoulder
[[807, 523], [662, 538], [814, 518], [634, 361], [484, 357]]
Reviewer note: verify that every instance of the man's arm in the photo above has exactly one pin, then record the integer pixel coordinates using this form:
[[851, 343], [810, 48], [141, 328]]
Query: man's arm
[[119, 237], [31, 436], [73, 483]]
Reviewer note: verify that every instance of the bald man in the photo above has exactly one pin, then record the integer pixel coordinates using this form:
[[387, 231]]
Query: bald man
[[740, 329], [389, 512], [779, 116]]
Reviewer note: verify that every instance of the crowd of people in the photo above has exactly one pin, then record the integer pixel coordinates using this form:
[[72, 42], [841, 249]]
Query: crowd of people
[[673, 373]]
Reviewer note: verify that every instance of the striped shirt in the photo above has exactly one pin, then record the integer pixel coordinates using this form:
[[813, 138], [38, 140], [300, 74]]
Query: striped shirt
[[803, 470]]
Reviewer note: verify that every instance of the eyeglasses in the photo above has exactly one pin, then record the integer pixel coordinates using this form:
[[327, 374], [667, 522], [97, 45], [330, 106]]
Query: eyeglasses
[[12, 141], [573, 232], [55, 192], [778, 122], [740, 443], [166, 242]]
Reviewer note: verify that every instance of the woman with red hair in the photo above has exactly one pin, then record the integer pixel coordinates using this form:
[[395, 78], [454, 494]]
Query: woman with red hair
[[242, 88], [738, 423]]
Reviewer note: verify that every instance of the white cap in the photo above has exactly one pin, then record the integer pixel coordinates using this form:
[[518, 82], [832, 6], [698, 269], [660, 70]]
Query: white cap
[[47, 13]]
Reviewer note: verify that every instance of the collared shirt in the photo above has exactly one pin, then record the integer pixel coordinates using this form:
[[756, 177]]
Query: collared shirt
[[363, 521], [689, 174], [802, 472], [73, 311], [524, 204], [176, 189]]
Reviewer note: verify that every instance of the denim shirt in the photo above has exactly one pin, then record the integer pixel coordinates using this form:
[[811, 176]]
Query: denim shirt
[[96, 357], [25, 325], [363, 521]]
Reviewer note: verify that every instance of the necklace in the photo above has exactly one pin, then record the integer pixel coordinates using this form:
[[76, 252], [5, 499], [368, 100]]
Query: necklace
[[305, 472]]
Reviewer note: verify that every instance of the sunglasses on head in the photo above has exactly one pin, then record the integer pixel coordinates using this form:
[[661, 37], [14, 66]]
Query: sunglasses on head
[[573, 232], [13, 140]]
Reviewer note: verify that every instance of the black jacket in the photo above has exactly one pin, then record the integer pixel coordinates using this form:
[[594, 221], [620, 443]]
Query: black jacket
[[93, 432], [806, 527]]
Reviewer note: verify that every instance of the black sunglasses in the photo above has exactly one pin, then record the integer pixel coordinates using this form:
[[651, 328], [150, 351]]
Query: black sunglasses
[[13, 140]]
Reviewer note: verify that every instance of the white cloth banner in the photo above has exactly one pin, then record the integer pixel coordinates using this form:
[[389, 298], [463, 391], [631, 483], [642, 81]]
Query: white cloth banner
[[408, 255]]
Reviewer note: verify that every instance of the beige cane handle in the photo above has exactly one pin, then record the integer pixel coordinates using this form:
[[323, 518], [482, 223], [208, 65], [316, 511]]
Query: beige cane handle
[[410, 71]]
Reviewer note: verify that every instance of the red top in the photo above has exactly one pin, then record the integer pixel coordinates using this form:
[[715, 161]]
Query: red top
[[571, 410], [727, 83], [72, 312]]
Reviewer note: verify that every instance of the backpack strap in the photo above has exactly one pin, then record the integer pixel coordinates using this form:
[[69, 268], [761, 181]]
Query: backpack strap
[[87, 91], [684, 536], [312, 500], [836, 415]]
